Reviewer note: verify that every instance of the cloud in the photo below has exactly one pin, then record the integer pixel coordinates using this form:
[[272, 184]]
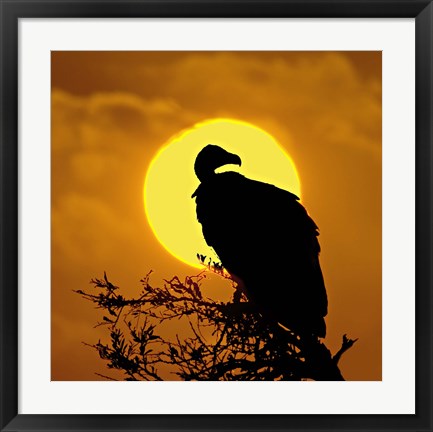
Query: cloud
[[315, 89], [85, 228]]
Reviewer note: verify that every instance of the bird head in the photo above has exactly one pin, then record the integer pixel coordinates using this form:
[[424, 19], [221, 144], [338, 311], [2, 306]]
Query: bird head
[[212, 157]]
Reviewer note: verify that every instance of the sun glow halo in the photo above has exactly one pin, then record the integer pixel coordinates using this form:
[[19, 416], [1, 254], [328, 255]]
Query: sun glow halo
[[170, 180]]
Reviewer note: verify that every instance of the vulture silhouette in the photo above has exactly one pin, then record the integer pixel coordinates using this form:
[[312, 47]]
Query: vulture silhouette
[[265, 239]]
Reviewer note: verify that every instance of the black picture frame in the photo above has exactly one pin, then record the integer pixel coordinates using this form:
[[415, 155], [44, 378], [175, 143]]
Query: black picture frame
[[12, 10]]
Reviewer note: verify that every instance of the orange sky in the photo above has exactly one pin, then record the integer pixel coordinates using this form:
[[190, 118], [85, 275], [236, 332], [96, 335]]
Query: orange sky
[[111, 112]]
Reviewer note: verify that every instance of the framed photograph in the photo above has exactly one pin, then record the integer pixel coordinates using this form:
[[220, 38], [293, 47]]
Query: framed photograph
[[216, 215]]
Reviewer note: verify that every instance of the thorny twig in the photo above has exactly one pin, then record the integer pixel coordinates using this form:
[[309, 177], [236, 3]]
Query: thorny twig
[[228, 340]]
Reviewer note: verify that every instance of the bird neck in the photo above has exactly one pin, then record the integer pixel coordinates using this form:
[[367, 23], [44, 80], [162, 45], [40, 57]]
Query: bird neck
[[204, 174]]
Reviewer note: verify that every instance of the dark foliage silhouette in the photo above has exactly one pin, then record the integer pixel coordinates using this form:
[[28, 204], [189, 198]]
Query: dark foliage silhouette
[[266, 240], [226, 341]]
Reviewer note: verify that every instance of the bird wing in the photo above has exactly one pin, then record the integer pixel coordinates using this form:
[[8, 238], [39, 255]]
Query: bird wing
[[264, 236]]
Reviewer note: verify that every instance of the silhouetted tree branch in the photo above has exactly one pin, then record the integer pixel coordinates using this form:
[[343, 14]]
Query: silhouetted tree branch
[[226, 341]]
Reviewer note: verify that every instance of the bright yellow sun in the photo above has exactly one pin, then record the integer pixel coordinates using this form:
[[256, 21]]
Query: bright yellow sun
[[170, 180]]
